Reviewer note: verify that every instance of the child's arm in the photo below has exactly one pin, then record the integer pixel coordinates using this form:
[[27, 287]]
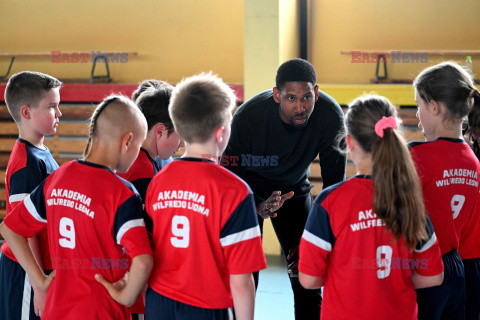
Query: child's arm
[[310, 282], [24, 255], [420, 281], [243, 293], [139, 272], [40, 296]]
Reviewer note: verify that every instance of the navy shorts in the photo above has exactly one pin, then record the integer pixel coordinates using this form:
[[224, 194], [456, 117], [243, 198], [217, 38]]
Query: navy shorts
[[472, 281], [16, 293], [159, 307], [446, 301]]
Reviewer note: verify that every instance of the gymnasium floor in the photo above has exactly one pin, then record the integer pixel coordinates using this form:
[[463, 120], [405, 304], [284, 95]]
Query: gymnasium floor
[[274, 295]]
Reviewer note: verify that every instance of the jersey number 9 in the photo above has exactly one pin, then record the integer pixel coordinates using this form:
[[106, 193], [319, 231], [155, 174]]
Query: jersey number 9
[[384, 261], [67, 231], [181, 232]]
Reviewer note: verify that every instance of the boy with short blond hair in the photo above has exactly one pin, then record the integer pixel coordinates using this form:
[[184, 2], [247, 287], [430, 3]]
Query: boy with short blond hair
[[32, 99], [205, 230]]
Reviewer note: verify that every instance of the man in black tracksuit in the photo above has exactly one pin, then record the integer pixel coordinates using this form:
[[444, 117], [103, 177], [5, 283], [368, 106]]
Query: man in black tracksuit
[[275, 137]]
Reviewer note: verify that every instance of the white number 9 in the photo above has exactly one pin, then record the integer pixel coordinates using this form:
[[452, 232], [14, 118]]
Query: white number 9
[[181, 232], [457, 203], [384, 261], [67, 230]]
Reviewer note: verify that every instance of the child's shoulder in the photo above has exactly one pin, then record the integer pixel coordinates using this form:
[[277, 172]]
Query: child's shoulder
[[127, 185], [196, 168], [26, 156]]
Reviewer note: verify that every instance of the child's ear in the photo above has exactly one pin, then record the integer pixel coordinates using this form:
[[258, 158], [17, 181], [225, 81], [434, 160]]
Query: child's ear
[[435, 107], [219, 134], [25, 112], [349, 142], [127, 140], [159, 130]]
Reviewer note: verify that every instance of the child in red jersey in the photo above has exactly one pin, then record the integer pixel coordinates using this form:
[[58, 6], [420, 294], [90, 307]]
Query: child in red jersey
[[92, 217], [448, 170], [469, 248], [206, 236], [368, 239], [32, 99], [162, 141]]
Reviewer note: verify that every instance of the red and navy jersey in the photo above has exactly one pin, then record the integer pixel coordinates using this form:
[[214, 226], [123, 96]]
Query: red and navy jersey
[[204, 229], [140, 174], [92, 217], [27, 167], [367, 273], [470, 236], [448, 171]]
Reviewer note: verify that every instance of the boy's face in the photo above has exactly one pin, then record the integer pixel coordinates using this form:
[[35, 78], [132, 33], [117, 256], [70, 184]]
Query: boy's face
[[44, 116], [168, 144]]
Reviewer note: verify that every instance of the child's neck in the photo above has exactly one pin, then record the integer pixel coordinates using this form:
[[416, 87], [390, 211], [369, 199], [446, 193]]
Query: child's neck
[[150, 146], [205, 150], [454, 133], [32, 137], [364, 166], [103, 155]]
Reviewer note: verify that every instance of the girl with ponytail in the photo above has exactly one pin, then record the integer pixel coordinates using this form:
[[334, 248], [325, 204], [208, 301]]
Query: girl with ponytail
[[449, 174], [368, 239]]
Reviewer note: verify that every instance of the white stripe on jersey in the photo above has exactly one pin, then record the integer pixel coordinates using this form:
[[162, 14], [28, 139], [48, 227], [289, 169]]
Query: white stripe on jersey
[[27, 294], [17, 197], [127, 226], [319, 242], [428, 244], [240, 236], [32, 210]]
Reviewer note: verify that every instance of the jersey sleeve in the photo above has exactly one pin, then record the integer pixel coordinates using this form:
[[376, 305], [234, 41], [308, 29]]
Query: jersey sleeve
[[22, 183], [241, 240], [30, 216], [129, 228], [428, 253], [316, 243]]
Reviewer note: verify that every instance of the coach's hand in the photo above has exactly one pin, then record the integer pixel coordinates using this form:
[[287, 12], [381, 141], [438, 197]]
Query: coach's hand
[[267, 208]]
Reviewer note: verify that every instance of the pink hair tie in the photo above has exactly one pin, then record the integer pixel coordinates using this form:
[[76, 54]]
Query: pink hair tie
[[385, 123]]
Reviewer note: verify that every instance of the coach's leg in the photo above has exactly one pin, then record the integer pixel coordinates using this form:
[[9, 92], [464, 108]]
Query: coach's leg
[[289, 225], [256, 274]]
